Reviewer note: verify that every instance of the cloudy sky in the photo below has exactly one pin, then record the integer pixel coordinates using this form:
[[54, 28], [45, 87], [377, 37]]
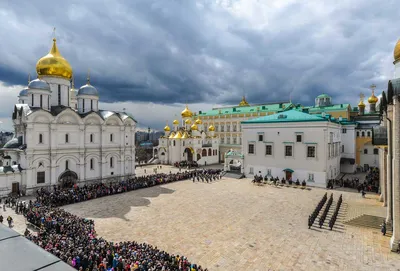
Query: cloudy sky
[[153, 56]]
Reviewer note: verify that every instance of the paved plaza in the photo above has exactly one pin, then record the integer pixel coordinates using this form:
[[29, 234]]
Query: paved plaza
[[234, 225]]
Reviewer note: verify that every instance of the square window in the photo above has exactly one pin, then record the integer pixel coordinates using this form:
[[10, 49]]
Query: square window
[[260, 137], [365, 151], [298, 138], [288, 151], [376, 151], [268, 149], [251, 170], [310, 151], [310, 177], [251, 148], [344, 130]]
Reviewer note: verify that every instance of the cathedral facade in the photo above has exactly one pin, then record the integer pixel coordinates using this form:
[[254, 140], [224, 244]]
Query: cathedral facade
[[189, 141], [61, 136]]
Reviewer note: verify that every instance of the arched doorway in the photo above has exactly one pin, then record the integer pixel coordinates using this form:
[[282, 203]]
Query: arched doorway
[[67, 179], [189, 154]]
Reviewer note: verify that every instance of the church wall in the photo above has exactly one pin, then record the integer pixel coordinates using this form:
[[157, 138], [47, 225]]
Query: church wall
[[6, 181], [369, 158], [64, 86]]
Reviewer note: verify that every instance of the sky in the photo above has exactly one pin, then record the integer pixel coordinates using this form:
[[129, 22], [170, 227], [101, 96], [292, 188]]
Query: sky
[[154, 56]]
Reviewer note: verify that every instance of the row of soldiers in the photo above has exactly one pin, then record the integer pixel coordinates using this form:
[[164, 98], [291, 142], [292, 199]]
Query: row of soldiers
[[335, 214], [314, 214], [326, 210], [206, 176]]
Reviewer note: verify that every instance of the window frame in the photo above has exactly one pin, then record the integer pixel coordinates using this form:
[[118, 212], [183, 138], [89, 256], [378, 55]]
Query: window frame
[[266, 149], [253, 147], [42, 177], [297, 138], [365, 151], [314, 151], [286, 150], [66, 138], [41, 139], [260, 137]]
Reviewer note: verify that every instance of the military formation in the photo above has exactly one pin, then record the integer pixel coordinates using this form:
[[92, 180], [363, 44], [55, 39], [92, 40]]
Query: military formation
[[322, 218], [206, 175]]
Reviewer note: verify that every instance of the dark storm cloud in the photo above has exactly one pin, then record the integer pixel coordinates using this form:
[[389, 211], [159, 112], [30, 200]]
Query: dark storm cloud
[[176, 51]]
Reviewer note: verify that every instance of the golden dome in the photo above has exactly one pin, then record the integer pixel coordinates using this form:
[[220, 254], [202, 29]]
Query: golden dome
[[166, 128], [175, 122], [53, 64], [211, 128], [188, 121], [178, 135], [186, 113], [194, 127], [396, 52], [185, 135], [198, 121], [172, 135], [373, 99], [361, 104], [243, 102]]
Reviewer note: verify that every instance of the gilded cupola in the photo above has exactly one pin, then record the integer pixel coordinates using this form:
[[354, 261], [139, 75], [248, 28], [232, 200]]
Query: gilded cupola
[[211, 128], [373, 99], [188, 121], [175, 122], [186, 113], [396, 52], [198, 121], [243, 102], [194, 127], [172, 135], [167, 128], [53, 64]]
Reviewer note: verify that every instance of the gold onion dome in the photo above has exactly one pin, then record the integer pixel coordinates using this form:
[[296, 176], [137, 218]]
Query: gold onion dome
[[198, 121], [166, 128], [243, 102], [396, 52], [361, 104], [194, 127], [186, 113], [178, 135], [211, 128], [175, 122], [185, 135], [188, 121], [53, 64], [172, 135], [373, 99]]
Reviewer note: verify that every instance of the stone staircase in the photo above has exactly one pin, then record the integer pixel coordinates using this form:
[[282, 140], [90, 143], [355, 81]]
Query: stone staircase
[[233, 175], [369, 221]]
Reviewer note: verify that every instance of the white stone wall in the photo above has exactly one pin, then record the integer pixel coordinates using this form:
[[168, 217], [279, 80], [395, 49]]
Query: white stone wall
[[369, 158], [91, 103], [279, 135], [54, 82]]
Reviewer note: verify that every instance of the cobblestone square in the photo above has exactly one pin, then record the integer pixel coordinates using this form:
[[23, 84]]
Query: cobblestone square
[[234, 225]]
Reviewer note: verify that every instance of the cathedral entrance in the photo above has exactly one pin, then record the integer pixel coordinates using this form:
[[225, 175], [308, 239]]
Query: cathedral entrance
[[67, 179], [189, 155]]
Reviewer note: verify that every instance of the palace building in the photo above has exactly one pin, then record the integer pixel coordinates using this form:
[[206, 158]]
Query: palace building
[[61, 135]]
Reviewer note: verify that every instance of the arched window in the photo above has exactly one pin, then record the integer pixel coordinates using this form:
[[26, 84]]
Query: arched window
[[204, 152], [66, 165], [209, 152], [40, 138], [174, 143], [111, 162], [362, 133], [66, 138], [368, 134], [358, 134], [33, 100], [91, 138], [111, 138], [91, 164], [91, 105]]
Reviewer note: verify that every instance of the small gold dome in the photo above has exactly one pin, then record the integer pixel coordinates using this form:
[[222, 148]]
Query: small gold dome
[[198, 121], [172, 135], [361, 104], [396, 52], [175, 122], [373, 99], [185, 135], [188, 121], [166, 128], [186, 113], [194, 127], [211, 128], [53, 64], [178, 135], [243, 102]]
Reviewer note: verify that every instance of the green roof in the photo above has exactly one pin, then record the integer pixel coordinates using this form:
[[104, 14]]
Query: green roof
[[333, 107], [323, 95], [288, 116], [246, 109]]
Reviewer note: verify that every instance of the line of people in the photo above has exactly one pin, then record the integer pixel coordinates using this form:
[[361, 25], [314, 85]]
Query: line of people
[[207, 175], [74, 240], [332, 221], [315, 213]]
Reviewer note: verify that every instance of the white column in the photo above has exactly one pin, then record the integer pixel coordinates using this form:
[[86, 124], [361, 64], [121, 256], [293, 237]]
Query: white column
[[394, 242], [389, 168]]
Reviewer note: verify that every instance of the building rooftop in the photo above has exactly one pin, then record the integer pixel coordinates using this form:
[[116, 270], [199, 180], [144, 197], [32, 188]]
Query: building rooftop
[[273, 107], [333, 107], [287, 116]]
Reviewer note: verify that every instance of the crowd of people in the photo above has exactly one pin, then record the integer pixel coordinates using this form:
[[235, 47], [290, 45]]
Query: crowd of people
[[74, 240]]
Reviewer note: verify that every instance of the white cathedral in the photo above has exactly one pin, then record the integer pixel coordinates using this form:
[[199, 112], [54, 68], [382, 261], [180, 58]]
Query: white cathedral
[[61, 136]]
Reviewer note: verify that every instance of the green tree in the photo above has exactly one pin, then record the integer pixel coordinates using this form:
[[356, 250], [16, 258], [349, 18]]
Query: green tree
[[383, 102]]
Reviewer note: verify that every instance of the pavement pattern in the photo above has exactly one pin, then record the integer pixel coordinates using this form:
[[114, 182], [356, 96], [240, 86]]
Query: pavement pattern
[[235, 225]]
